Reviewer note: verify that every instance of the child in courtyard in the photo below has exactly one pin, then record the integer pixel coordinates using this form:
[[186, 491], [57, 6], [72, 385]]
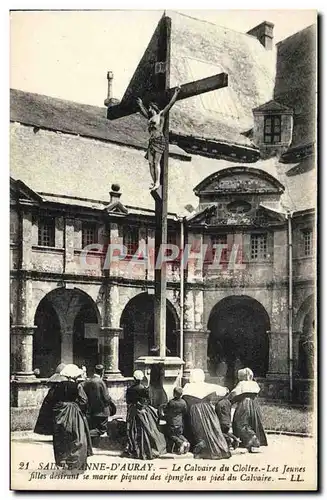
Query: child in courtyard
[[173, 413], [223, 410]]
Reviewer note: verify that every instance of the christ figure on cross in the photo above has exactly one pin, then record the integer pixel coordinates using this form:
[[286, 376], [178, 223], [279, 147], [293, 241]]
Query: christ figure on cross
[[157, 142]]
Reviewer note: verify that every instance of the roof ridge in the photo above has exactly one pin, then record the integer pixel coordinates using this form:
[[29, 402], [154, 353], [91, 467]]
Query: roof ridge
[[79, 103], [214, 24], [296, 33], [91, 200]]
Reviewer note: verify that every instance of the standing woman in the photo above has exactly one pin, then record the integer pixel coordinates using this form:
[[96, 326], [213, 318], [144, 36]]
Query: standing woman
[[247, 420], [205, 433], [44, 423], [71, 435], [144, 440]]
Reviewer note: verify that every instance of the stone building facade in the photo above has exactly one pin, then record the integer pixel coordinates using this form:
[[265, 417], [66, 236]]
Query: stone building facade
[[80, 182]]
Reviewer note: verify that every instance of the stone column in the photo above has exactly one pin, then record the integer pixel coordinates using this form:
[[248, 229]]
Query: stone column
[[196, 257], [115, 239], [296, 341], [27, 239], [189, 321], [195, 336], [198, 309], [70, 244], [278, 354], [195, 351], [22, 351], [23, 329], [110, 333], [67, 345], [59, 232], [110, 351], [189, 324]]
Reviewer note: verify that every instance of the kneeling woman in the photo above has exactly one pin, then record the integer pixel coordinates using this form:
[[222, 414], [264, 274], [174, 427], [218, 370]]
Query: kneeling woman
[[144, 440], [247, 421], [205, 432]]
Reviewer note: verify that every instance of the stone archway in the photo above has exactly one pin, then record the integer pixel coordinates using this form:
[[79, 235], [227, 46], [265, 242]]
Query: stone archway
[[238, 337], [137, 321], [67, 322], [47, 338]]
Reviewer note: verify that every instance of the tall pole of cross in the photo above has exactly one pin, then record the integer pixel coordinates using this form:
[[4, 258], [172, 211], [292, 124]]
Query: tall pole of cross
[[161, 202], [153, 73]]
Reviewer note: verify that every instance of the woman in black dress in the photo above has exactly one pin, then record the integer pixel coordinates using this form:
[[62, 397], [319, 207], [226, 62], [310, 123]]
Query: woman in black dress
[[247, 420], [44, 423], [204, 428], [144, 440], [71, 436]]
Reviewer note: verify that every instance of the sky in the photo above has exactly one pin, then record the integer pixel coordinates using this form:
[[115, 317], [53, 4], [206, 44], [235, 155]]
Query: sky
[[67, 54]]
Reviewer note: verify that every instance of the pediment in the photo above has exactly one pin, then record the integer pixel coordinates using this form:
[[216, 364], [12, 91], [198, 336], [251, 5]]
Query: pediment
[[273, 107], [260, 216], [116, 208], [239, 180], [204, 216], [19, 190]]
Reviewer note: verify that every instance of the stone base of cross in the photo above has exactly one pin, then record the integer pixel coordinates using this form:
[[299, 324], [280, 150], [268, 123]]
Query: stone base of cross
[[151, 82]]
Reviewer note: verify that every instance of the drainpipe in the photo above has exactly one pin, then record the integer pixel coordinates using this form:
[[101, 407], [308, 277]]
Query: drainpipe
[[290, 304], [181, 294]]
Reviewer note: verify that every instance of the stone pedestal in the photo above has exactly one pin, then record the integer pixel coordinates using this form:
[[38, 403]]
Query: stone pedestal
[[22, 351], [195, 351], [110, 351], [172, 367]]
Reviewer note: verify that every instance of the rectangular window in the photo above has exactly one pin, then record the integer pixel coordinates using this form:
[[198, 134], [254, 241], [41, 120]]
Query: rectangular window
[[131, 239], [219, 239], [46, 232], [272, 129], [89, 234], [307, 242], [173, 239], [258, 246]]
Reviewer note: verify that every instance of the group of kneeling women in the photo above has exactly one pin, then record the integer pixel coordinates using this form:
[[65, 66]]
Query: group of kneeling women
[[197, 419]]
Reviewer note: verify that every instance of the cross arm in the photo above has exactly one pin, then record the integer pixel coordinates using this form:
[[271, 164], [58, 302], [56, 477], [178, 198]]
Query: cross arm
[[161, 98]]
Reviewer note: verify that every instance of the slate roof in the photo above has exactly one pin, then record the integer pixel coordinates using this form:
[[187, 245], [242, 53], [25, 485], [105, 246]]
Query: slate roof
[[80, 119], [196, 46], [295, 84], [88, 176], [200, 49]]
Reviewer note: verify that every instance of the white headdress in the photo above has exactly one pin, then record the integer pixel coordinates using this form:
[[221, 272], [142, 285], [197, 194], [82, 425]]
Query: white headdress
[[71, 371], [198, 388], [138, 375]]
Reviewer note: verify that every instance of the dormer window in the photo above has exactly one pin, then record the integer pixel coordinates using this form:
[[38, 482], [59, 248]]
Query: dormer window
[[272, 129]]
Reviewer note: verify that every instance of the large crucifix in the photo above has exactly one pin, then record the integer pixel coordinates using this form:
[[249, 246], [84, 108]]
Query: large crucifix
[[149, 92]]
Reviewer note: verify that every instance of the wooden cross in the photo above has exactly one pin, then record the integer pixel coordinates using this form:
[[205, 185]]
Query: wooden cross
[[154, 72]]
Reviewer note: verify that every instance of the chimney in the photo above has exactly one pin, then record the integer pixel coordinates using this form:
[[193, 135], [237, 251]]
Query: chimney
[[264, 32], [114, 193], [110, 100]]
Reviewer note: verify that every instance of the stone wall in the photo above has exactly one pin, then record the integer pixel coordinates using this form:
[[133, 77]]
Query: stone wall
[[27, 397]]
